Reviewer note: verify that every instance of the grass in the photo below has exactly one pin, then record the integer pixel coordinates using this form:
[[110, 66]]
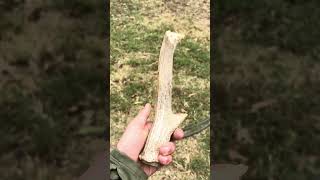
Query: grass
[[274, 23], [135, 47], [52, 87], [266, 80]]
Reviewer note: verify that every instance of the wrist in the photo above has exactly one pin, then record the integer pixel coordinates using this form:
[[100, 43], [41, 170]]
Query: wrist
[[125, 150]]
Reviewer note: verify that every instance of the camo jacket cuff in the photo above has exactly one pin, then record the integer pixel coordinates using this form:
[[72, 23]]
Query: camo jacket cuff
[[124, 168]]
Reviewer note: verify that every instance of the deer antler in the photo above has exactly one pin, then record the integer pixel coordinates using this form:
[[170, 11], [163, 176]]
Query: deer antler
[[165, 120]]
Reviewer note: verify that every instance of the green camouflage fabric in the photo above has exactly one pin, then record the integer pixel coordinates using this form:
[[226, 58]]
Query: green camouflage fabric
[[124, 168]]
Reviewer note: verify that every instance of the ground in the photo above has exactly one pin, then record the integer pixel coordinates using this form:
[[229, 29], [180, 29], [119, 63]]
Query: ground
[[266, 76], [52, 101]]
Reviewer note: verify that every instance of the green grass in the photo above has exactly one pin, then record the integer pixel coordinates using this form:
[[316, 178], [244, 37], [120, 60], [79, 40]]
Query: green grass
[[200, 166], [268, 58], [52, 88], [282, 23]]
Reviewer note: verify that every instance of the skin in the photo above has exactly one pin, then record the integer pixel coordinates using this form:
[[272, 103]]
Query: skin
[[133, 139]]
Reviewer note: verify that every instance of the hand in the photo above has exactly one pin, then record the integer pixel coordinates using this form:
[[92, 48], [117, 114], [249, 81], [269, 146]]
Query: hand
[[135, 136]]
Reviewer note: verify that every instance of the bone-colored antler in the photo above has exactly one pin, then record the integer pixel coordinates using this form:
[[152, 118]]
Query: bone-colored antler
[[165, 120]]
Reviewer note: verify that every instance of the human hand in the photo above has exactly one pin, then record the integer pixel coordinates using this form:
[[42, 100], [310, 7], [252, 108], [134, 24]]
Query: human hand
[[133, 139]]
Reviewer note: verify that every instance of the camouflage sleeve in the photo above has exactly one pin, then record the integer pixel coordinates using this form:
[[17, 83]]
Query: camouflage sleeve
[[123, 168]]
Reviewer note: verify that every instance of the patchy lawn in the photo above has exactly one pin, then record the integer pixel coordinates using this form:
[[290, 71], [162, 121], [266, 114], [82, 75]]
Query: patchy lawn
[[52, 65], [267, 76]]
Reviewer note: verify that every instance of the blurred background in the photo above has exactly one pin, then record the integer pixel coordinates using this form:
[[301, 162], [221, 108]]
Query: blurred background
[[266, 75], [52, 87]]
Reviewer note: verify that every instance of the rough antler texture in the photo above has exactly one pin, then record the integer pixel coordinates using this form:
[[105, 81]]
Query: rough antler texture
[[165, 120]]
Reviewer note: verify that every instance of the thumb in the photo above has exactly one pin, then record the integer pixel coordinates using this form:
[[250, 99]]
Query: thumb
[[141, 118], [135, 135], [146, 129]]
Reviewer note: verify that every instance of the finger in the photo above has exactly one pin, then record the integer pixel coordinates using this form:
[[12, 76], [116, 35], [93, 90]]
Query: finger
[[146, 129], [167, 149], [143, 115], [178, 134], [165, 160], [148, 124]]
